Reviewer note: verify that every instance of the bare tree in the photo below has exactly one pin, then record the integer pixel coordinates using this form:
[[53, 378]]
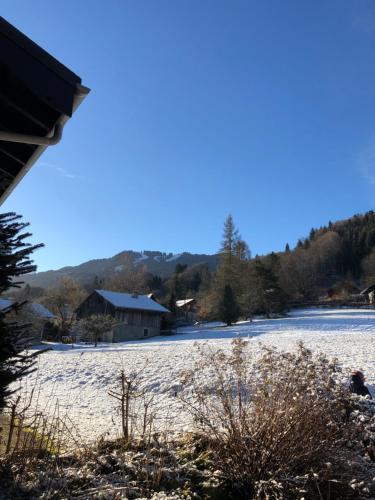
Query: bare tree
[[135, 404], [63, 300], [97, 325]]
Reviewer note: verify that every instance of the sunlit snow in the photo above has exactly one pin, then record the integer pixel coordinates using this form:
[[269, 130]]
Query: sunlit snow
[[79, 378]]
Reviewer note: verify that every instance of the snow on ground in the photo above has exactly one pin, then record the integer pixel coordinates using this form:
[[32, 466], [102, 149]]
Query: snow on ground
[[79, 378], [173, 257], [141, 257]]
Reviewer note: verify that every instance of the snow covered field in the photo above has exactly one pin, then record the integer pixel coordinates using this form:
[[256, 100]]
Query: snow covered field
[[79, 378]]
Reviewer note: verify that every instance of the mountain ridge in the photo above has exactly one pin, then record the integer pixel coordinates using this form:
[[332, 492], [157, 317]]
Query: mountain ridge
[[159, 263]]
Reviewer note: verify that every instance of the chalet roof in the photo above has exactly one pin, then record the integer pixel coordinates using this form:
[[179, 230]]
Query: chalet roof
[[41, 310], [367, 290], [37, 96], [182, 303], [131, 301], [4, 303], [36, 308]]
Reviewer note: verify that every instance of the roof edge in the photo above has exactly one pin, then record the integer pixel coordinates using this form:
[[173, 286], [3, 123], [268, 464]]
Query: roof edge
[[79, 96]]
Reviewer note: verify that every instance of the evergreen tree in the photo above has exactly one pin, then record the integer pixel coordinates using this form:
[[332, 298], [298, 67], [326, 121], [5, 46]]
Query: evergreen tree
[[229, 310], [230, 237], [306, 244], [178, 287], [15, 262], [234, 259], [287, 248], [234, 255], [172, 303], [180, 268], [267, 295]]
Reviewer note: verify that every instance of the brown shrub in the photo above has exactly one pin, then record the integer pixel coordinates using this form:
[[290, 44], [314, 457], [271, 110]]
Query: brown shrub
[[278, 427]]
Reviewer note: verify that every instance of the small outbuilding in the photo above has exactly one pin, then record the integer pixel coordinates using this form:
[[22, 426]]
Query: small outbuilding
[[39, 317], [186, 309], [369, 292], [138, 316]]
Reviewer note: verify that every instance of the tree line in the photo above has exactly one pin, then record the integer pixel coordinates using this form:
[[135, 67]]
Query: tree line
[[333, 260]]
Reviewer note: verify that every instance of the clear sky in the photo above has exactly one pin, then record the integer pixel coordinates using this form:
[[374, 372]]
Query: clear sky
[[200, 108]]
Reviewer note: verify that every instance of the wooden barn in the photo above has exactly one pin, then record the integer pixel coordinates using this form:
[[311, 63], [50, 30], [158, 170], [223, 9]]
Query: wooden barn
[[138, 315]]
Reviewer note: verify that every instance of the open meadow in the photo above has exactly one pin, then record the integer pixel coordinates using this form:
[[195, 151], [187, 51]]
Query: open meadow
[[75, 380]]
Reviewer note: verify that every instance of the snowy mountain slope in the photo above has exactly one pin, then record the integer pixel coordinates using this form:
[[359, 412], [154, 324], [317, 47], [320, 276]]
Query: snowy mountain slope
[[159, 263], [79, 378]]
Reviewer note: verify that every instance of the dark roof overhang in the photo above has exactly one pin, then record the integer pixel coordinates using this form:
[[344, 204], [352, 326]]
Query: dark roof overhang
[[37, 97]]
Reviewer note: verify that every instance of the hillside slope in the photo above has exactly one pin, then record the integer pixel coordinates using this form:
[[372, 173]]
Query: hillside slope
[[158, 263]]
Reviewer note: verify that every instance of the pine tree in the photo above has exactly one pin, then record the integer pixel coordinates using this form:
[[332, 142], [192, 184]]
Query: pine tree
[[229, 310], [14, 337], [233, 252], [172, 303], [268, 297], [230, 236], [230, 240], [233, 265], [180, 268]]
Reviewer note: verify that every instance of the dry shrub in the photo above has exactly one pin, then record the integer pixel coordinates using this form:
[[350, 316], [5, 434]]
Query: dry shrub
[[135, 405], [278, 427], [26, 431]]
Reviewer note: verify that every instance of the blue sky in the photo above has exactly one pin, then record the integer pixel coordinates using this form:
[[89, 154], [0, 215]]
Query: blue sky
[[198, 109]]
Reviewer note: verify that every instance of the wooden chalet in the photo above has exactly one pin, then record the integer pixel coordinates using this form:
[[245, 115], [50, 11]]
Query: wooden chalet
[[138, 316]]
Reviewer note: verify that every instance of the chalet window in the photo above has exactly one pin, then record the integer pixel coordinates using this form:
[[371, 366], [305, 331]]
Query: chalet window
[[145, 332]]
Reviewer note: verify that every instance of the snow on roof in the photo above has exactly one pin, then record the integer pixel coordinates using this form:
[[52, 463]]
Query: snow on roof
[[368, 290], [4, 303], [41, 311], [181, 303], [37, 309], [129, 301]]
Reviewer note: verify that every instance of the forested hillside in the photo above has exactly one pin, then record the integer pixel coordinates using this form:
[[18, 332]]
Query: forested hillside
[[341, 252], [333, 261], [157, 263]]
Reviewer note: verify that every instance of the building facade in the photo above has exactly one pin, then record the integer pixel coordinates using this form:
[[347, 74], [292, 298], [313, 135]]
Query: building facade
[[138, 316]]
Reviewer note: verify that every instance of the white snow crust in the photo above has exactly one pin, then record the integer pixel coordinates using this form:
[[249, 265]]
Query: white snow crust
[[174, 257], [79, 378], [130, 301], [141, 258]]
